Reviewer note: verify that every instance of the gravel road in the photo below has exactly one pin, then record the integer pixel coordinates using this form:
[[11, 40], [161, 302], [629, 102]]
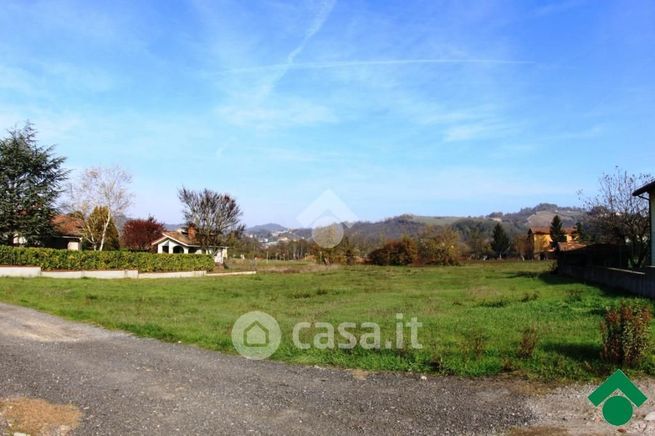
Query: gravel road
[[122, 384]]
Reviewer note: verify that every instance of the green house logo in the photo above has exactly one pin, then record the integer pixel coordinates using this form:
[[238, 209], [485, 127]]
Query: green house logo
[[617, 410]]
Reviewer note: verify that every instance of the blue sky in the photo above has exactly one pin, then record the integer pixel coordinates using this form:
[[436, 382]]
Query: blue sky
[[425, 107]]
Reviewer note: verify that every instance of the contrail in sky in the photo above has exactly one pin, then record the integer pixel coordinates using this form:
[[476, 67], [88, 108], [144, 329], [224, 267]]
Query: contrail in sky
[[324, 10], [364, 63]]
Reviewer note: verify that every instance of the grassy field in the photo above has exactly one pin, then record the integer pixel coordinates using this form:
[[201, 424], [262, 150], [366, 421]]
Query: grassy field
[[473, 316]]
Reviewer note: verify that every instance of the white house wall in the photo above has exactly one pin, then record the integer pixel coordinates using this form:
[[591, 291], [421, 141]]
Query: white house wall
[[219, 255]]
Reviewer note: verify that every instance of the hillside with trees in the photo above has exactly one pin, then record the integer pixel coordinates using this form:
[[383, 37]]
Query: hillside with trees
[[475, 234]]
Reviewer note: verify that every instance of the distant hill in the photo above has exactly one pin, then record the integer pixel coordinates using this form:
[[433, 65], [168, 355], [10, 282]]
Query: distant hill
[[433, 220], [412, 225], [266, 228], [541, 215], [390, 228], [172, 227]]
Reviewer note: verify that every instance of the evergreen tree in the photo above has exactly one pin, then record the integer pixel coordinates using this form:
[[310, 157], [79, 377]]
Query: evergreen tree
[[500, 242], [30, 181], [580, 233], [556, 232]]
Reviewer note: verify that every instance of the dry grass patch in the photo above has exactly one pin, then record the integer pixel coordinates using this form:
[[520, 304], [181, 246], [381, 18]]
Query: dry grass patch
[[539, 431], [38, 417], [359, 374]]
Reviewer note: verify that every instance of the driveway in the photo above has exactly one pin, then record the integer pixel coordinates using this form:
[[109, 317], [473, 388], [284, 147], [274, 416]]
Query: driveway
[[121, 384]]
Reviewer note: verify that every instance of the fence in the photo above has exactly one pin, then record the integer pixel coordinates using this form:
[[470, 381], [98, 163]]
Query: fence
[[637, 282], [606, 265]]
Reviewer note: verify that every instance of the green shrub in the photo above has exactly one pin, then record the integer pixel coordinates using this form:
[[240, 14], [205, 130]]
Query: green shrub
[[625, 334], [52, 259]]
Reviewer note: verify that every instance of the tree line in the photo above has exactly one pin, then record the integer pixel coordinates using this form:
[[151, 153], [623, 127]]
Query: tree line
[[613, 216], [36, 186]]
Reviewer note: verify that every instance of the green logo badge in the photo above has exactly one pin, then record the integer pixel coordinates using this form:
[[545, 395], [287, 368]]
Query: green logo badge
[[617, 410]]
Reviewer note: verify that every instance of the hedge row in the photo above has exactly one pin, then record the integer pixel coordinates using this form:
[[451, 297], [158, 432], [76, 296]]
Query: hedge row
[[52, 259]]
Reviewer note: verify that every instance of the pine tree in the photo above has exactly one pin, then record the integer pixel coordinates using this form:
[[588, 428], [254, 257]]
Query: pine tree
[[500, 242], [556, 232], [30, 182]]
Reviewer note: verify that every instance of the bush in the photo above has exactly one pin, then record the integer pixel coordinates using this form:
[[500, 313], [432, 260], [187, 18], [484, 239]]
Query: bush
[[625, 334], [439, 246], [401, 252], [52, 259], [435, 246]]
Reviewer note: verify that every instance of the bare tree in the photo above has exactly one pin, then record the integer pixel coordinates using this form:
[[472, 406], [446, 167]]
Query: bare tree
[[215, 216], [99, 187], [616, 216]]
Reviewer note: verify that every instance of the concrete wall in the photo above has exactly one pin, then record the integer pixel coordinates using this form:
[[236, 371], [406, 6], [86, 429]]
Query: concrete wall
[[172, 275], [124, 274], [63, 274], [641, 283], [113, 274], [236, 273], [18, 271]]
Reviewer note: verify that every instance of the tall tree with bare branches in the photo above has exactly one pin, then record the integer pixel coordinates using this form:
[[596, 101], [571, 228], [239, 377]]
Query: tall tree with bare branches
[[103, 188], [616, 216], [216, 216]]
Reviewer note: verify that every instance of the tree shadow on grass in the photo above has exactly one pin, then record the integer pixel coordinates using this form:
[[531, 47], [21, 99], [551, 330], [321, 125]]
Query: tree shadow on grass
[[552, 278], [579, 352]]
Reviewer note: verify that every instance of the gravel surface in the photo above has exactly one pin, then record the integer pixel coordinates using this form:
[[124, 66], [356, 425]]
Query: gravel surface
[[128, 385], [566, 409]]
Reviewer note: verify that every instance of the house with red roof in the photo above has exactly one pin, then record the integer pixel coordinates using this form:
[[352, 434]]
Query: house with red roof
[[68, 233], [540, 244]]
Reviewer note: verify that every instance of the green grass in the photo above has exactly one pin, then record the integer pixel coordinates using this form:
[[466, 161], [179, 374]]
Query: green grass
[[473, 315]]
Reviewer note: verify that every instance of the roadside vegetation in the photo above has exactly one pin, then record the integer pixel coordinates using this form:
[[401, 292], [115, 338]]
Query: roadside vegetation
[[479, 319], [50, 259]]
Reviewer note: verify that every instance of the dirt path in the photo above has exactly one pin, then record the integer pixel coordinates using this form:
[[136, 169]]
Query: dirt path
[[121, 384]]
